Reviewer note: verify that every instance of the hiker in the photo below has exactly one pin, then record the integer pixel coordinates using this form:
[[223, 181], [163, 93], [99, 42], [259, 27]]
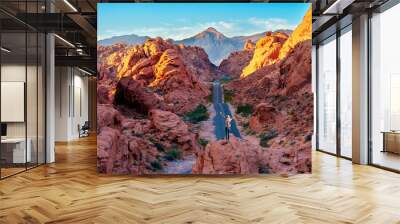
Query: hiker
[[228, 120]]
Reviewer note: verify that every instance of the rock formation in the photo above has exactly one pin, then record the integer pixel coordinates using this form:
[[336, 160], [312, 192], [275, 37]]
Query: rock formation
[[156, 72], [249, 45], [236, 61], [263, 115], [173, 129], [134, 94], [301, 33], [276, 46], [197, 62], [283, 101], [133, 146], [233, 157], [266, 52], [141, 89]]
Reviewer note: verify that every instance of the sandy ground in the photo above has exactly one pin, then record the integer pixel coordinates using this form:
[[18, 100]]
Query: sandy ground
[[207, 127]]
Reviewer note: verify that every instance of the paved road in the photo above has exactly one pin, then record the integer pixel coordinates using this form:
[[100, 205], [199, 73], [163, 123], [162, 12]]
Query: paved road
[[222, 109], [183, 166]]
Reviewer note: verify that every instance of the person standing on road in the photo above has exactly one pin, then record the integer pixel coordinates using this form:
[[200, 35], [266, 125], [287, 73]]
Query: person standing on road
[[228, 121]]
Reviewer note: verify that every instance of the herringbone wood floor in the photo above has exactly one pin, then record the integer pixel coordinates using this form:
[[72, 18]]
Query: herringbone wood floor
[[70, 191]]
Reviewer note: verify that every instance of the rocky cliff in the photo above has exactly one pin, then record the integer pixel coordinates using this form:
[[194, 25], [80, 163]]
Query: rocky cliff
[[302, 32], [276, 46], [283, 108], [266, 52], [173, 74], [141, 91], [140, 145], [236, 61]]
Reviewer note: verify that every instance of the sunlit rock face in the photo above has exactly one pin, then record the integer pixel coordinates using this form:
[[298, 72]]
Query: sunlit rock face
[[276, 46], [266, 52], [236, 61], [170, 76], [283, 107], [301, 33]]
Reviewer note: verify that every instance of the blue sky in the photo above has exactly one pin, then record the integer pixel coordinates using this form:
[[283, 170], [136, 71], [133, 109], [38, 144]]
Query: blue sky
[[182, 20]]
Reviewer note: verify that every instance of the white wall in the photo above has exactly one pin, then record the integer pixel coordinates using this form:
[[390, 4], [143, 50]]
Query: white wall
[[71, 102], [33, 127]]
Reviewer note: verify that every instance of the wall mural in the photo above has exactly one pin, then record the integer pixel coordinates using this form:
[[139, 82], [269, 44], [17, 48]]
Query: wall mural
[[207, 88]]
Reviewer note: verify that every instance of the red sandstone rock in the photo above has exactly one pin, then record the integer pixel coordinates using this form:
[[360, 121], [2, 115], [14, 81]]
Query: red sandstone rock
[[232, 157], [234, 64], [134, 94], [283, 101], [174, 74], [276, 46], [301, 33], [172, 128], [264, 114], [266, 52], [121, 154], [197, 62], [107, 116], [107, 144]]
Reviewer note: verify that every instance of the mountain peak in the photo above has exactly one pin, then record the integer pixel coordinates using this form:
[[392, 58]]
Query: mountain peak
[[212, 29]]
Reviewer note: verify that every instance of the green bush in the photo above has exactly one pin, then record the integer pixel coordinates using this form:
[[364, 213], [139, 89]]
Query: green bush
[[246, 125], [225, 79], [159, 147], [245, 110], [266, 136], [198, 115], [250, 132], [203, 142], [228, 95], [210, 98], [172, 155], [156, 165]]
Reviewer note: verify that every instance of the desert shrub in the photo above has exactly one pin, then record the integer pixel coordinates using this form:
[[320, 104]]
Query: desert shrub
[[156, 165], [250, 132], [210, 98], [197, 115], [225, 79], [172, 155], [246, 125], [245, 110], [266, 136], [159, 147], [228, 95], [203, 142]]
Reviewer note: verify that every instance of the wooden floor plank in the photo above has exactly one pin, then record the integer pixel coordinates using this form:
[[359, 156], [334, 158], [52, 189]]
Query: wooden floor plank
[[70, 191]]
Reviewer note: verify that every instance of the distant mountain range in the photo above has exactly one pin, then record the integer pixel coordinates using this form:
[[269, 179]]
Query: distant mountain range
[[216, 44], [125, 39]]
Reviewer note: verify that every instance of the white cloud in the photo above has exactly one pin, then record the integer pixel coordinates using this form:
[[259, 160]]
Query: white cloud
[[271, 24], [185, 29], [182, 32]]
